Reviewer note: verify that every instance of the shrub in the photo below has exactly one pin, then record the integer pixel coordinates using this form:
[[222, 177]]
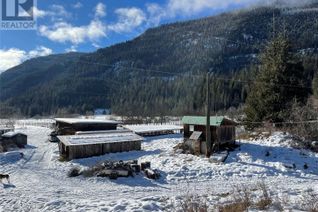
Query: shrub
[[192, 203], [234, 207], [242, 201], [265, 200], [62, 159], [310, 202], [88, 172], [74, 172], [301, 116]]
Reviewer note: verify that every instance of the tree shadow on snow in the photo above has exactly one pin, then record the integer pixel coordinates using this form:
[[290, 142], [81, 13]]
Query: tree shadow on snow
[[261, 156], [125, 156], [28, 146], [6, 186], [141, 180]]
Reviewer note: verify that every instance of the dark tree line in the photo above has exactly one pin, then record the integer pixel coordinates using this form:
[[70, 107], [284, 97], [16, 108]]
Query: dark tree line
[[160, 71]]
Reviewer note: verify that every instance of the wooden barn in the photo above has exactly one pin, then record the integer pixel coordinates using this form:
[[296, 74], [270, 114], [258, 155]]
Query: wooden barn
[[222, 131], [87, 144], [13, 139], [69, 126]]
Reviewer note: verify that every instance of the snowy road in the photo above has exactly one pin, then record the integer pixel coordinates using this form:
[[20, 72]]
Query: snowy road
[[39, 181]]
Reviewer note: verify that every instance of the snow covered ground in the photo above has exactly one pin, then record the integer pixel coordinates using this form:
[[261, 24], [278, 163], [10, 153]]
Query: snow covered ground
[[39, 181], [143, 128]]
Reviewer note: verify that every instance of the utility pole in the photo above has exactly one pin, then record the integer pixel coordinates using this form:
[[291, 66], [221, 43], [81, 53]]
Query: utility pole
[[208, 129], [274, 23]]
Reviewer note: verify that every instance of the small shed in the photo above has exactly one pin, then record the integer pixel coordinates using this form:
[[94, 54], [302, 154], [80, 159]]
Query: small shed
[[222, 130], [88, 145], [69, 126], [13, 139]]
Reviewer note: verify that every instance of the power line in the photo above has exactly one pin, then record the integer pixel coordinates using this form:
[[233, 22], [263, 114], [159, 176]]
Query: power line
[[196, 75], [285, 122], [134, 68]]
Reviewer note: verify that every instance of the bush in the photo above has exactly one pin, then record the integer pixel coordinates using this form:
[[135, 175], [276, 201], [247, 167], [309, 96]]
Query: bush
[[193, 204], [62, 159], [242, 201], [300, 116], [74, 172], [234, 207], [310, 202], [266, 199], [88, 172]]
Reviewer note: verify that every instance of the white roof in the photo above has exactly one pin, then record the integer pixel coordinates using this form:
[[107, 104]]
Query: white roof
[[85, 121], [5, 128], [11, 134], [87, 139], [101, 132]]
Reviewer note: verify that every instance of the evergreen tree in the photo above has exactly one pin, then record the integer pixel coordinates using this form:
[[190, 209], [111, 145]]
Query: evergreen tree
[[315, 85], [279, 81]]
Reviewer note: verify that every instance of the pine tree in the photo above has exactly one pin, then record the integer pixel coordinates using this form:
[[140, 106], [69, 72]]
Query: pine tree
[[315, 85], [279, 81]]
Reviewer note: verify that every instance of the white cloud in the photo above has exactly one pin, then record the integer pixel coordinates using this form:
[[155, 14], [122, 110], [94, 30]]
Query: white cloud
[[59, 10], [128, 19], [73, 48], [56, 12], [40, 52], [78, 5], [13, 56], [156, 13], [63, 32], [96, 45], [100, 10], [190, 7], [39, 13]]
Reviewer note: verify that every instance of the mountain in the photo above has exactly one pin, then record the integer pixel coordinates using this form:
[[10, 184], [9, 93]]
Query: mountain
[[154, 73], [35, 72]]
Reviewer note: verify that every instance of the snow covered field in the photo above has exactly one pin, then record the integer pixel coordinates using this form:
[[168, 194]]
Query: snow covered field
[[39, 181], [143, 128]]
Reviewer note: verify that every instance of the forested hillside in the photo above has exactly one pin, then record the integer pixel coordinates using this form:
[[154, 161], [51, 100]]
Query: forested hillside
[[162, 71]]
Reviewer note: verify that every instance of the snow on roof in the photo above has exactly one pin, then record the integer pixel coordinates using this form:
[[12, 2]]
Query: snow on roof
[[201, 120], [142, 128], [6, 128], [87, 139], [85, 121], [11, 134], [101, 132]]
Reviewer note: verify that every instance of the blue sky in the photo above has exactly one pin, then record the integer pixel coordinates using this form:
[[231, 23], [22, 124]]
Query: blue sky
[[86, 25]]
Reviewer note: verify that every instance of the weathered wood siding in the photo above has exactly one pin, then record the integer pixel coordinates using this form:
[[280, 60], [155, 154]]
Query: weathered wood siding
[[226, 134], [18, 140], [70, 129], [223, 134], [89, 150]]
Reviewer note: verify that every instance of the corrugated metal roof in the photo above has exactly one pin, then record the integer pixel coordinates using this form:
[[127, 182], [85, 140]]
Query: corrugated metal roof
[[88, 139], [85, 121], [12, 134], [201, 120]]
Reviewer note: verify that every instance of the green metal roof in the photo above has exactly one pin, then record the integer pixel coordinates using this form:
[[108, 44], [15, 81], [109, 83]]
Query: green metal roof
[[201, 120]]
